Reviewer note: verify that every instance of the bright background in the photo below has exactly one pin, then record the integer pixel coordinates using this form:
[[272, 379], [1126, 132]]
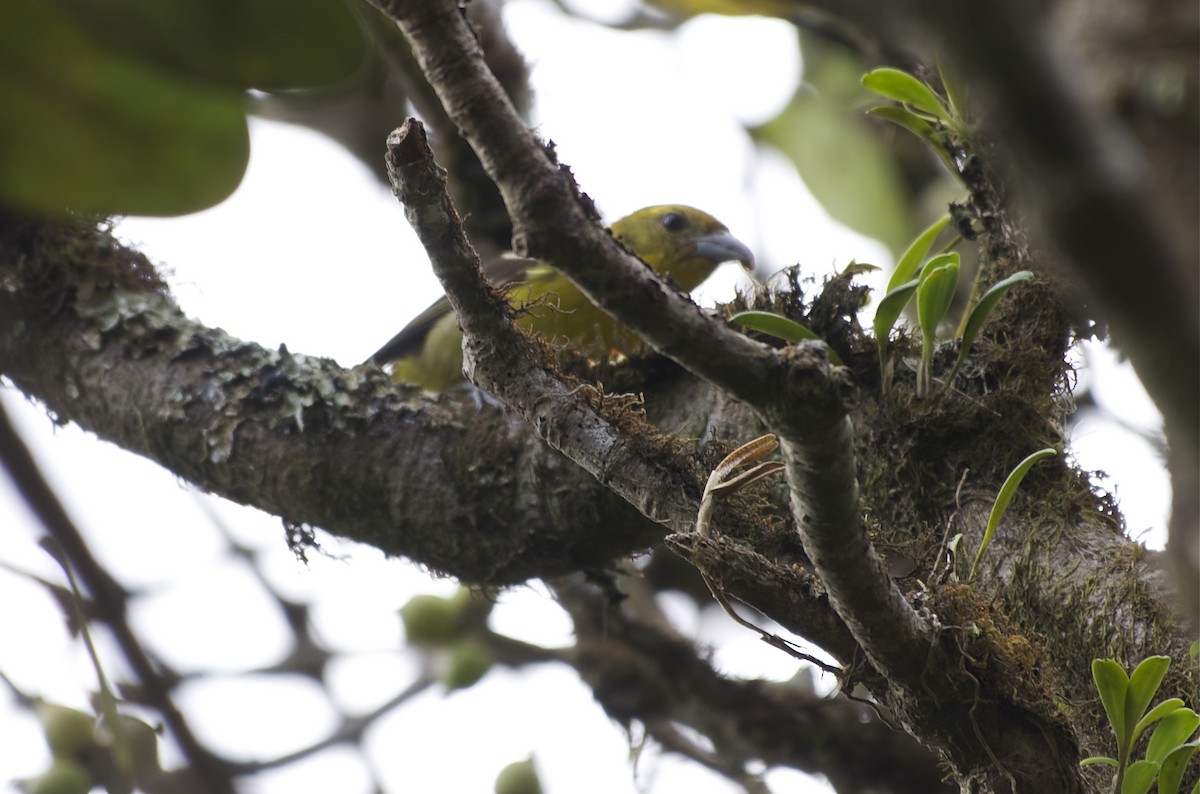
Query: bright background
[[313, 253]]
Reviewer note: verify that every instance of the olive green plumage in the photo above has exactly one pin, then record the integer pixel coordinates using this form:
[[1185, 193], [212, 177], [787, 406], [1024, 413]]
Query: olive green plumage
[[680, 242]]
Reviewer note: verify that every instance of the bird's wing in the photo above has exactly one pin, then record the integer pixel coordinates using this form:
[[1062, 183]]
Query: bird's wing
[[412, 336], [500, 271]]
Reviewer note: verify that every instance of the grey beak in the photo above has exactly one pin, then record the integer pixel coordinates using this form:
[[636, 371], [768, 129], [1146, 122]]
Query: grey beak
[[724, 247]]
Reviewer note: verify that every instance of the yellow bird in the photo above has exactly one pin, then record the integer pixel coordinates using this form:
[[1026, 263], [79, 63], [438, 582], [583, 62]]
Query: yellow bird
[[679, 242]]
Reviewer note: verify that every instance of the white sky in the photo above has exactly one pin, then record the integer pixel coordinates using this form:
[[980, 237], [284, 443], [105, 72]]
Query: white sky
[[321, 259]]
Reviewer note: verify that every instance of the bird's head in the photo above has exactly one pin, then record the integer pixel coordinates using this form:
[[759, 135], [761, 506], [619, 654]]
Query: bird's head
[[682, 242]]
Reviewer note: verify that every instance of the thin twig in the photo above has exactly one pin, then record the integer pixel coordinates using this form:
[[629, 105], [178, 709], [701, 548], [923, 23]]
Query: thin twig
[[110, 599]]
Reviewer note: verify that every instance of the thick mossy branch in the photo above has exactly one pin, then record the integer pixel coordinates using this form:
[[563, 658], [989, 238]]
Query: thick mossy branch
[[344, 449], [86, 327], [795, 391], [995, 676]]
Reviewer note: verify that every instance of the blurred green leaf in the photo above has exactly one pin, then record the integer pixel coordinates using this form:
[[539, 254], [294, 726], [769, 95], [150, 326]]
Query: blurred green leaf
[[465, 664], [918, 126], [939, 261], [98, 132], [519, 777], [935, 291], [903, 87], [848, 168], [264, 44]]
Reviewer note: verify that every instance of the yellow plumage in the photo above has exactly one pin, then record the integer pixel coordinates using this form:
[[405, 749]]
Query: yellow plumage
[[680, 242]]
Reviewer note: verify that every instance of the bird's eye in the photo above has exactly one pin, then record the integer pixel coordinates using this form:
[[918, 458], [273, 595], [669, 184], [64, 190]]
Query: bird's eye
[[674, 222]]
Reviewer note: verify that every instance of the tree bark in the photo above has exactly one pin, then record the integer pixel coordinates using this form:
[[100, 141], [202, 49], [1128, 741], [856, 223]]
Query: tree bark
[[991, 674]]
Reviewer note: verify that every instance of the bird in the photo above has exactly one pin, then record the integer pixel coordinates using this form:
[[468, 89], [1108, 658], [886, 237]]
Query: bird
[[679, 242]]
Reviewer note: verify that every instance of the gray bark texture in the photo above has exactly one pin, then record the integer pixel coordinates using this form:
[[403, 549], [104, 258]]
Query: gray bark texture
[[1079, 170]]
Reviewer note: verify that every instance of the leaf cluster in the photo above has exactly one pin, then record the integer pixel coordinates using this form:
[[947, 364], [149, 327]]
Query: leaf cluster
[[126, 107], [1126, 700]]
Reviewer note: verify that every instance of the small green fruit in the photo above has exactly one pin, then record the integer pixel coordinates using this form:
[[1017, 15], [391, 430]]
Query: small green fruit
[[465, 665], [436, 622], [519, 777], [68, 731], [430, 620], [474, 605], [137, 757], [63, 777]]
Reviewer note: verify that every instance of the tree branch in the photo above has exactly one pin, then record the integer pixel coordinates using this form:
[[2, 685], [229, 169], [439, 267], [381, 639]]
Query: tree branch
[[1094, 197], [796, 391], [641, 670], [797, 395], [1108, 186], [348, 451], [297, 436]]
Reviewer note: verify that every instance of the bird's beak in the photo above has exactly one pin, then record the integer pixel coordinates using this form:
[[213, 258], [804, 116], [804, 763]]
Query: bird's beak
[[724, 247]]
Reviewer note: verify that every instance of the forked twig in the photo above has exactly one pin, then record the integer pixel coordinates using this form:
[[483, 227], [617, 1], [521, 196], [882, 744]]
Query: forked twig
[[721, 484]]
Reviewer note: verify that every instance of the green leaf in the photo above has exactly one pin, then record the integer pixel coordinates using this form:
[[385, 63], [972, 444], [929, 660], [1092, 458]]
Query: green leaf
[[1114, 683], [1111, 683], [845, 164], [264, 44], [1139, 777], [918, 126], [1171, 732], [1143, 684], [887, 313], [956, 94], [891, 307], [1099, 759], [1157, 713], [903, 87], [905, 118], [95, 131], [1170, 774], [980, 313], [780, 327], [776, 325], [939, 261], [983, 308], [911, 259], [935, 292]]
